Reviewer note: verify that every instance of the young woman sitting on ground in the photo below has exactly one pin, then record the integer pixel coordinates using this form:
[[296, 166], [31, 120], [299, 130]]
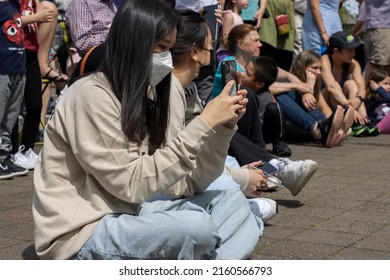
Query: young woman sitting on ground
[[106, 154], [343, 81], [310, 111]]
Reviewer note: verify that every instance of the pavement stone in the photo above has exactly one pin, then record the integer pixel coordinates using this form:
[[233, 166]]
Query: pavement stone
[[342, 214]]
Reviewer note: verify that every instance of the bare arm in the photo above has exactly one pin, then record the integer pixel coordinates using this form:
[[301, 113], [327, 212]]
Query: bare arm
[[356, 101], [42, 15], [358, 29], [332, 86], [315, 9], [227, 22], [358, 77], [260, 12], [293, 83]]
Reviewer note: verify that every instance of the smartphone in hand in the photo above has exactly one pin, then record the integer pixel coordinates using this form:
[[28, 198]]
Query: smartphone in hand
[[268, 169], [229, 72]]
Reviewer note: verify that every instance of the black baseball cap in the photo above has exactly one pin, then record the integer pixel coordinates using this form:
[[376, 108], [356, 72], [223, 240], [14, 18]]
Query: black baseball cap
[[342, 39]]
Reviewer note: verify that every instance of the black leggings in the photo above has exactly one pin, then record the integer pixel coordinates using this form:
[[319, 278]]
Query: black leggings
[[273, 126], [33, 103], [247, 144]]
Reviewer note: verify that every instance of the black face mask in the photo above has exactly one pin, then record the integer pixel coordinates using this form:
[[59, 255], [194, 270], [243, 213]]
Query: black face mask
[[208, 70]]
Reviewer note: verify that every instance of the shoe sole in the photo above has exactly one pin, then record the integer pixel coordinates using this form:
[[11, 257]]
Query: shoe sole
[[348, 120], [336, 125], [20, 173], [9, 176], [297, 189]]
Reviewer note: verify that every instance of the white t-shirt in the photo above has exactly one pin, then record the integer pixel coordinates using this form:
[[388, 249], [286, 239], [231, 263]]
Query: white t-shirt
[[195, 5]]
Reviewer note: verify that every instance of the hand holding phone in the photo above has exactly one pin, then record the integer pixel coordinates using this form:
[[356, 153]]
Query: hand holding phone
[[229, 72]]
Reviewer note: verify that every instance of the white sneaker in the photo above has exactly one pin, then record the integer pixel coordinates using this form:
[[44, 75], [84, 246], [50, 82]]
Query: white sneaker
[[31, 157], [21, 160], [264, 208], [295, 174]]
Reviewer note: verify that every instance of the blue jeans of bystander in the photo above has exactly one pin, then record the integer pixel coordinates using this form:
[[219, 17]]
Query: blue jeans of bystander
[[295, 112]]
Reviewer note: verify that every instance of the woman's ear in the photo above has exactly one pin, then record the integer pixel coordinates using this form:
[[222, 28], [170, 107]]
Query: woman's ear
[[194, 54], [240, 44]]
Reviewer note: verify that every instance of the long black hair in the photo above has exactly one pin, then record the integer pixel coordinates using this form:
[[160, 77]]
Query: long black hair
[[127, 64]]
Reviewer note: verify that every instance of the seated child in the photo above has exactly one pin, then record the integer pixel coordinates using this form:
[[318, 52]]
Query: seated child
[[378, 100], [260, 73]]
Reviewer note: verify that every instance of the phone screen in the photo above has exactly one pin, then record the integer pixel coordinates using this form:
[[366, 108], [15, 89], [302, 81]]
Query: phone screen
[[229, 72], [268, 168]]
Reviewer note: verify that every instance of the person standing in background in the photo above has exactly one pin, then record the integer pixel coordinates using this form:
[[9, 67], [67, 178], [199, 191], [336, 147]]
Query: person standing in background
[[299, 11], [12, 82], [34, 15], [320, 21], [255, 12], [278, 47], [377, 26], [89, 22]]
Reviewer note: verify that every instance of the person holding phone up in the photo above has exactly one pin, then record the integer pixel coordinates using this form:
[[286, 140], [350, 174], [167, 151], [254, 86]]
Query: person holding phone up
[[106, 154], [192, 51]]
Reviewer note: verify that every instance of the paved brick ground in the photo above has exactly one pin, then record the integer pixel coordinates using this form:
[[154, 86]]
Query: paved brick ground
[[342, 213]]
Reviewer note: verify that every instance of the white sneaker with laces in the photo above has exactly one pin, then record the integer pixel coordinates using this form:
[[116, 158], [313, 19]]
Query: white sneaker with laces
[[31, 157], [295, 174], [264, 208], [21, 160]]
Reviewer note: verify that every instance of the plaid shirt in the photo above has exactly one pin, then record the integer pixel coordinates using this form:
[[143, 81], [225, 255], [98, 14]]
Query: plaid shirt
[[89, 22]]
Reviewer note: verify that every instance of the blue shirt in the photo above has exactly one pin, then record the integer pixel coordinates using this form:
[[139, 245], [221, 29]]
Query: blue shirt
[[12, 52], [249, 12]]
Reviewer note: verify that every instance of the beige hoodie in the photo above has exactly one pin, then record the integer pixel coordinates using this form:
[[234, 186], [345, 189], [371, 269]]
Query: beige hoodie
[[88, 169]]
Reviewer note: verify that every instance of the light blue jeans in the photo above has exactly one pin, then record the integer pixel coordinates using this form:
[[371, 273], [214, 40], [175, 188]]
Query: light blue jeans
[[211, 225], [295, 112]]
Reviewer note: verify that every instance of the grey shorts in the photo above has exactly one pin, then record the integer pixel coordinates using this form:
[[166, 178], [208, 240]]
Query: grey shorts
[[376, 46]]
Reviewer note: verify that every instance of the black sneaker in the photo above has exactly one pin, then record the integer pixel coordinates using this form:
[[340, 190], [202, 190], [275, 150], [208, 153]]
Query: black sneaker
[[16, 169], [359, 130], [372, 129], [281, 149], [5, 172]]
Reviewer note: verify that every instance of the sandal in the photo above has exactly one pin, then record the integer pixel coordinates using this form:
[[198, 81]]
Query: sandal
[[57, 79], [349, 114]]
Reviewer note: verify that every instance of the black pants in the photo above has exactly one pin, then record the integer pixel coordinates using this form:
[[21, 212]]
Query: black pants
[[247, 145], [33, 104], [273, 126]]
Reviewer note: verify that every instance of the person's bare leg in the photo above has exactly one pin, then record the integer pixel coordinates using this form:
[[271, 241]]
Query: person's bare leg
[[46, 32], [350, 90], [45, 103], [323, 106]]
